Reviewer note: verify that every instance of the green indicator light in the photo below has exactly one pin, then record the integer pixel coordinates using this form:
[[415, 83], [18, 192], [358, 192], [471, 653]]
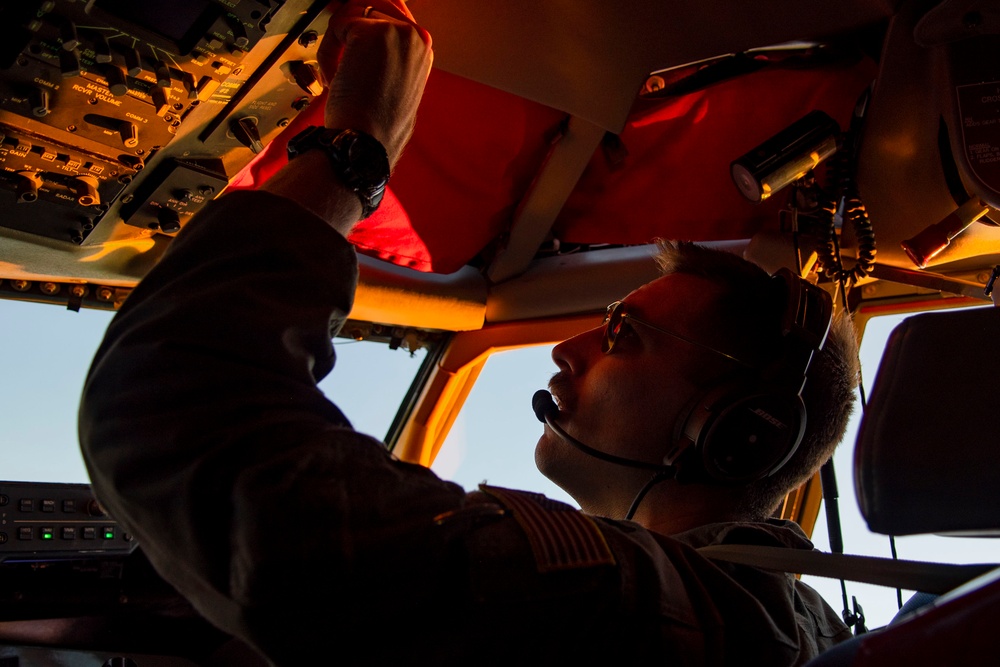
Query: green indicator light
[[46, 534], [109, 535]]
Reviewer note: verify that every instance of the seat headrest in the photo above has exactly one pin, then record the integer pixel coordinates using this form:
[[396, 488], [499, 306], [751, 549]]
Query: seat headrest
[[928, 453]]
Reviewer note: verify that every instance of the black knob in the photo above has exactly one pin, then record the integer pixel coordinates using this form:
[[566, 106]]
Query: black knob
[[27, 186], [94, 509], [86, 190], [169, 221], [117, 83], [162, 74]]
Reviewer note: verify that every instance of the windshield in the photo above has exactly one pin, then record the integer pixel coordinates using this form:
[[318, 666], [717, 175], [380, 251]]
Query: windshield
[[493, 438], [47, 351]]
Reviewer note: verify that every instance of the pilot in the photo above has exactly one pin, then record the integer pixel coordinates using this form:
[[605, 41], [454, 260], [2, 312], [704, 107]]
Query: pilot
[[205, 435]]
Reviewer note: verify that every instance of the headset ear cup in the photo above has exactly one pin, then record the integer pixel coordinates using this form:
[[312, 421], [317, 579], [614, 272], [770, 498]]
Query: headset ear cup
[[753, 437], [736, 433]]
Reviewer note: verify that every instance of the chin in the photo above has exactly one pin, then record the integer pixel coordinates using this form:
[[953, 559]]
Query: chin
[[551, 456], [555, 460], [547, 442]]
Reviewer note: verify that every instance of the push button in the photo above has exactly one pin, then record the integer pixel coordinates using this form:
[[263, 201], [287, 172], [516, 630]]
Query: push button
[[26, 505], [89, 533], [48, 505], [25, 533], [69, 533]]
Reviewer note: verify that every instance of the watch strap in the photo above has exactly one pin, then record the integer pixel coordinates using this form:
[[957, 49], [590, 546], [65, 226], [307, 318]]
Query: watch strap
[[358, 159]]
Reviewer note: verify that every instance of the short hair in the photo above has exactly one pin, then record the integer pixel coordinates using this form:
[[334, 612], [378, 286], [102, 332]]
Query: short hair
[[750, 304]]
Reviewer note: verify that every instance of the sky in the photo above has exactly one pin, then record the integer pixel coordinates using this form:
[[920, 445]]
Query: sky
[[47, 350]]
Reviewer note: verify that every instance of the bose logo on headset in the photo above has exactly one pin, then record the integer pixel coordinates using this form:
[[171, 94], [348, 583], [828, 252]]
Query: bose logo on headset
[[770, 418]]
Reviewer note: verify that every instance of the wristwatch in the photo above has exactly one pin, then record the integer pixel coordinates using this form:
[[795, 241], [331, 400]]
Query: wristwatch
[[359, 160]]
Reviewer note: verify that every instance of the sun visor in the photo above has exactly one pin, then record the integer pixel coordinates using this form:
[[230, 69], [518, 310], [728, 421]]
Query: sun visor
[[928, 453]]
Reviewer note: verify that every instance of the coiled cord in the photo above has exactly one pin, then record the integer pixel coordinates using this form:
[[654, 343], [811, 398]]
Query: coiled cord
[[843, 191]]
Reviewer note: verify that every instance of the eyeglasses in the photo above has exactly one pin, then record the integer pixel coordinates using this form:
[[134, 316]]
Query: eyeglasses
[[615, 322]]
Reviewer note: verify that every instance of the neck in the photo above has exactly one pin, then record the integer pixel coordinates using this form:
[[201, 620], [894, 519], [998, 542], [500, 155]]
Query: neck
[[671, 508]]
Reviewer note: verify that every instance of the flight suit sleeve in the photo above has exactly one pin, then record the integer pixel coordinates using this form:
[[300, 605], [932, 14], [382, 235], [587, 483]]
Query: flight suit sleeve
[[205, 434]]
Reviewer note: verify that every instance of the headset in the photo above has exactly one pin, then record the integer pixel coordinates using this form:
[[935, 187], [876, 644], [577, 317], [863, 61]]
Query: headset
[[738, 432]]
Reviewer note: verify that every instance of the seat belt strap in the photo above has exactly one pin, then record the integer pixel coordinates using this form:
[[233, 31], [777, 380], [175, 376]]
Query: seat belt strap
[[937, 578]]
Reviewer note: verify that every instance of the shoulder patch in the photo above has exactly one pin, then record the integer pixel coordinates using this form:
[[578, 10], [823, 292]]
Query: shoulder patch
[[561, 537]]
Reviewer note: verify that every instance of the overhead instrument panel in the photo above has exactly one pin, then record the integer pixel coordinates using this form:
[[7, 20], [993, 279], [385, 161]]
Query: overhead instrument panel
[[118, 111]]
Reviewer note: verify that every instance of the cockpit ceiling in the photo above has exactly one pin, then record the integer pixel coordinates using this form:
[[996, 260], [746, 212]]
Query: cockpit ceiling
[[538, 131], [549, 128], [477, 152]]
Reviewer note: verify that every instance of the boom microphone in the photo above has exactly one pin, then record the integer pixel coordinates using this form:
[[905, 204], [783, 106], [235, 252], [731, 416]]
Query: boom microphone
[[545, 410]]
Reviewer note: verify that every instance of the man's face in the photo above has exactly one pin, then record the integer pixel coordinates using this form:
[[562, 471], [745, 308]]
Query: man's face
[[626, 403]]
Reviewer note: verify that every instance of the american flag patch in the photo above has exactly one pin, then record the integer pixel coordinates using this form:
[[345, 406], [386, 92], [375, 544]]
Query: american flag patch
[[561, 537]]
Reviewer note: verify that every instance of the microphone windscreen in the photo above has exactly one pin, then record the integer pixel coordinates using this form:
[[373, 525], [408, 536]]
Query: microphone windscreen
[[542, 404]]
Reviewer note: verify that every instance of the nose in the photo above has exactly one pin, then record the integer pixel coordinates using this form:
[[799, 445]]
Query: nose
[[572, 354]]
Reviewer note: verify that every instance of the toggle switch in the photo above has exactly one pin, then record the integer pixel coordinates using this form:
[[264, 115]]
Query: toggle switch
[[69, 64], [129, 133], [246, 132], [70, 39], [102, 50], [133, 64], [127, 130], [306, 76], [190, 85], [38, 98], [239, 30], [160, 100], [162, 74]]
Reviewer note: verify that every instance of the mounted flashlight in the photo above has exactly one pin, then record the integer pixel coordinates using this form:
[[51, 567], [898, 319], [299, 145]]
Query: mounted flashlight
[[786, 157]]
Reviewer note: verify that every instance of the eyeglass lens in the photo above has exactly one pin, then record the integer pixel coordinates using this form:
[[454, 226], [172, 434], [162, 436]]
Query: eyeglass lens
[[613, 325]]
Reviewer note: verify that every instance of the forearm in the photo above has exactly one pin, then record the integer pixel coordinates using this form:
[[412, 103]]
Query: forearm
[[237, 314], [309, 181]]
